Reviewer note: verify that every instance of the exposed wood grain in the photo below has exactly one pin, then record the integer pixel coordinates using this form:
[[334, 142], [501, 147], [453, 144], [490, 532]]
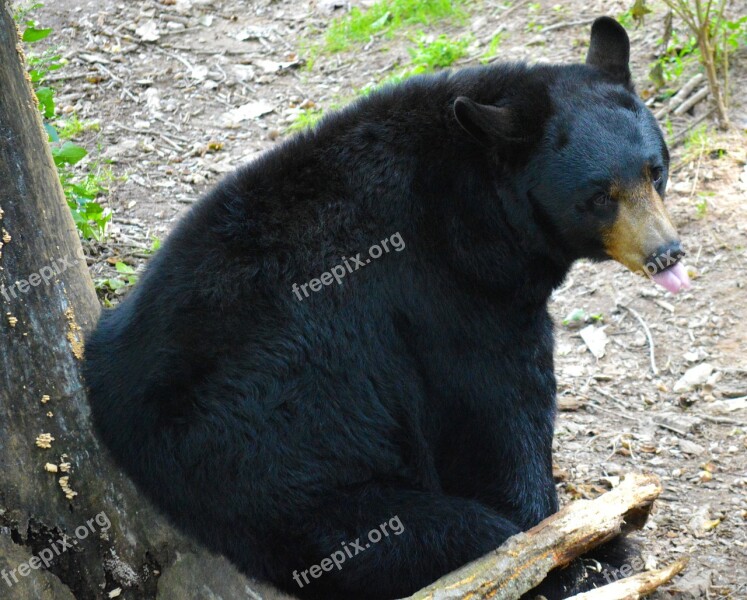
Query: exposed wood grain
[[525, 559], [635, 587]]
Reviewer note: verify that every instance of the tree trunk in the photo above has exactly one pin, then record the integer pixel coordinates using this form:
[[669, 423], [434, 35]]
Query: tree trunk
[[55, 478], [708, 59]]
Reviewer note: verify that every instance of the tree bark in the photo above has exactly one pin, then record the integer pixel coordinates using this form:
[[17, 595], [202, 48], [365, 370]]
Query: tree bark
[[55, 478]]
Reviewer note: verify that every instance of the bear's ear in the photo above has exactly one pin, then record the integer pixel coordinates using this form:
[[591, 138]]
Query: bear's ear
[[489, 125], [609, 49]]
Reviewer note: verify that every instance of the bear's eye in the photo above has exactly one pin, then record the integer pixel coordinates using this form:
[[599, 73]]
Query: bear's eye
[[602, 200], [656, 176]]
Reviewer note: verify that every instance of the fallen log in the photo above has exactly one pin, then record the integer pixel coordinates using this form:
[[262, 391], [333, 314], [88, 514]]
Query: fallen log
[[525, 559], [635, 587]]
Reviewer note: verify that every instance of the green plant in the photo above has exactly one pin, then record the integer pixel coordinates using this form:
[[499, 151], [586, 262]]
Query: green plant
[[677, 57], [495, 41], [534, 9], [635, 14], [81, 188], [701, 206], [305, 119], [732, 36], [716, 39], [578, 317], [697, 142], [626, 19], [72, 127], [427, 56], [669, 127], [117, 284], [440, 53], [384, 17]]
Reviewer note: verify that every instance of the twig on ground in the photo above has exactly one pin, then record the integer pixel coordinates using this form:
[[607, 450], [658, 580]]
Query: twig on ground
[[677, 139], [622, 415], [635, 587], [649, 337]]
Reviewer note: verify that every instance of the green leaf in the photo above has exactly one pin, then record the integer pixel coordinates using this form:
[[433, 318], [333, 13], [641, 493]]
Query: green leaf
[[93, 210], [381, 21], [114, 284], [32, 34], [52, 133], [639, 10], [575, 316], [69, 154], [45, 96], [84, 192], [123, 268]]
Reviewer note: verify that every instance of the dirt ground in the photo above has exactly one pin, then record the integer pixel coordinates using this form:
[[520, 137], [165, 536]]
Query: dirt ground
[[165, 80]]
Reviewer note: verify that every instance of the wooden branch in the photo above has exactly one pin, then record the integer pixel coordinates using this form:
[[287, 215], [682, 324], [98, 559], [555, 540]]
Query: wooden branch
[[525, 559], [691, 101], [680, 96], [635, 587]]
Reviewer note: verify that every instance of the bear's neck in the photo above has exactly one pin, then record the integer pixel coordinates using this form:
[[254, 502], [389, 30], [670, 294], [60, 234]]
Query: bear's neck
[[488, 234]]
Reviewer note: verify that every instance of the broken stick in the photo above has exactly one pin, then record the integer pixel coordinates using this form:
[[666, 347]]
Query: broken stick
[[680, 96], [635, 587], [524, 560]]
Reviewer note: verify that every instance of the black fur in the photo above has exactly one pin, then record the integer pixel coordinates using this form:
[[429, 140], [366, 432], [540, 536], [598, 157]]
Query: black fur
[[273, 429]]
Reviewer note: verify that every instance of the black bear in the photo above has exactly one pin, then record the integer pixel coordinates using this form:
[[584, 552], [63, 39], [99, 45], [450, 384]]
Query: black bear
[[338, 370]]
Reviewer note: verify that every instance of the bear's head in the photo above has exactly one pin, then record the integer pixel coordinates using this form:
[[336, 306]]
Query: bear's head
[[594, 163]]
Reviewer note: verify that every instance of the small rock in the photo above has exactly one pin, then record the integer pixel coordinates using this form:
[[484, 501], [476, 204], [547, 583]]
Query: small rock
[[148, 31], [692, 357], [537, 40], [199, 72], [479, 23], [152, 99], [251, 110], [682, 424], [727, 406], [691, 586], [613, 468], [701, 523], [689, 447], [330, 6], [693, 377]]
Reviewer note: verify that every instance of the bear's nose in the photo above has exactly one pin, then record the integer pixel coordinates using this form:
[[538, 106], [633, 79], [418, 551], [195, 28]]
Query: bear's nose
[[666, 255]]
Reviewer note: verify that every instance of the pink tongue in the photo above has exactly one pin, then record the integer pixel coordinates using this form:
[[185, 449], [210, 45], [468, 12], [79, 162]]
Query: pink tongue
[[674, 279]]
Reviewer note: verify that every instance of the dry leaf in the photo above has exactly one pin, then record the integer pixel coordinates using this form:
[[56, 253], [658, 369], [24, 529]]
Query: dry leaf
[[595, 340]]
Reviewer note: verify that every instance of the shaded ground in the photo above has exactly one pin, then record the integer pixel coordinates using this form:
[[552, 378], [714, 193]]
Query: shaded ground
[[164, 107]]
